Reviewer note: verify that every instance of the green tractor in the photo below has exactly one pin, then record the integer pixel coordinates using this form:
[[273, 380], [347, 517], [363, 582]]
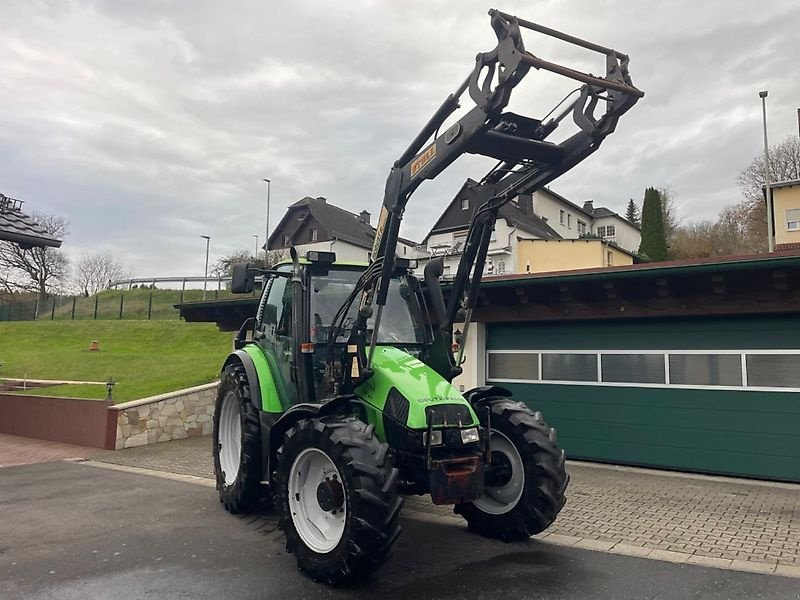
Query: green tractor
[[338, 400]]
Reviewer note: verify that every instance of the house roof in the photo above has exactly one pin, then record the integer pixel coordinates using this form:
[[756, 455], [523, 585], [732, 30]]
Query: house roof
[[529, 222], [455, 220], [17, 227], [340, 223], [783, 184]]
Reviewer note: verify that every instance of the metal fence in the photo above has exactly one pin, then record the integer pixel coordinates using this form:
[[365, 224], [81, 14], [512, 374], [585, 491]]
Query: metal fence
[[132, 304]]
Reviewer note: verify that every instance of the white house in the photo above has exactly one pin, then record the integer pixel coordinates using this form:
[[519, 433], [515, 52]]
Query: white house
[[543, 215]]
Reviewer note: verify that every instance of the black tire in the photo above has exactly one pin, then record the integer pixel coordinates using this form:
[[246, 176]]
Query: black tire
[[245, 493], [370, 495], [544, 471]]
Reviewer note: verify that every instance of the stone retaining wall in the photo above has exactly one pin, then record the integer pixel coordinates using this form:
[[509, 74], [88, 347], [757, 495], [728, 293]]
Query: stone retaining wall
[[172, 416]]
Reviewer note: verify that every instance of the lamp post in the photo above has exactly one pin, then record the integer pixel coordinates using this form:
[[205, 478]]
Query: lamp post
[[266, 238], [205, 274], [255, 256], [767, 189]]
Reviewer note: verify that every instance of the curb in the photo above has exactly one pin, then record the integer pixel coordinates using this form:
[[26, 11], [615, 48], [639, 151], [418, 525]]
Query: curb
[[606, 546]]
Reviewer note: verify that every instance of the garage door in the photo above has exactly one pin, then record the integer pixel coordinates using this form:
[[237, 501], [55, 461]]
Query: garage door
[[711, 395]]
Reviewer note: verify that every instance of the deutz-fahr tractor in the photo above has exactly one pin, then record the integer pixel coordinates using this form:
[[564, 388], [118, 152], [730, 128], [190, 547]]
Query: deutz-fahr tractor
[[338, 400]]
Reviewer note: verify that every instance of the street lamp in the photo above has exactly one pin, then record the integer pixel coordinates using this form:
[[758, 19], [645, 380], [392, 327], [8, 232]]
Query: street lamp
[[205, 274], [255, 256], [266, 238], [767, 189]]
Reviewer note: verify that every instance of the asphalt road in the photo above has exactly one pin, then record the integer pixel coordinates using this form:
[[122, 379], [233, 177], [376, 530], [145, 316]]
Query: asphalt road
[[72, 531]]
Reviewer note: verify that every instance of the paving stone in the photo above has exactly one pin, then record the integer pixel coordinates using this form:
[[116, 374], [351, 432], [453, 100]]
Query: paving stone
[[787, 571], [600, 545], [562, 540], [708, 561], [669, 555], [755, 567], [630, 550]]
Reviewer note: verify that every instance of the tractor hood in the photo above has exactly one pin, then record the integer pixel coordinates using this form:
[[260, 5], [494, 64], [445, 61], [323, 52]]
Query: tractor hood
[[404, 388]]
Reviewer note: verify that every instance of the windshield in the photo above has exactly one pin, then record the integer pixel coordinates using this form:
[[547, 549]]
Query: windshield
[[400, 323]]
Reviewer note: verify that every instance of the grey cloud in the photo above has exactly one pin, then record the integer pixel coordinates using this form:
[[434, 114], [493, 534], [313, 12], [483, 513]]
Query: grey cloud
[[150, 123]]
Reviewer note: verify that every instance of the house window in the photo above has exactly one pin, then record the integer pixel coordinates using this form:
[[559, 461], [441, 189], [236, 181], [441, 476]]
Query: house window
[[313, 235], [286, 241], [563, 217], [610, 231], [465, 204], [610, 256], [501, 266], [569, 221], [793, 219], [581, 228], [601, 231]]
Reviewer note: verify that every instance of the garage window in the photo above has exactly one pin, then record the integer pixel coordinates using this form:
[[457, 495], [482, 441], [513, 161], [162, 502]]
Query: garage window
[[504, 365], [633, 368], [705, 369], [569, 367], [773, 370]]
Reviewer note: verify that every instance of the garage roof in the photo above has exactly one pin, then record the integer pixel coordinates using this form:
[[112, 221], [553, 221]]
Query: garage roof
[[17, 227]]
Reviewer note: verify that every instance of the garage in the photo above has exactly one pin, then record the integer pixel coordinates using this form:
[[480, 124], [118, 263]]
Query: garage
[[712, 390]]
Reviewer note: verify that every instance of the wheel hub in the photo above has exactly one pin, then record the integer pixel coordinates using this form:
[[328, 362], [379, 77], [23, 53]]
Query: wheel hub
[[330, 495], [500, 471]]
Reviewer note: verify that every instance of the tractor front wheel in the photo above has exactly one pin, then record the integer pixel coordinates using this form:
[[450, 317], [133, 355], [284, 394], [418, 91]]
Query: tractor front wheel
[[237, 443], [526, 480], [338, 498]]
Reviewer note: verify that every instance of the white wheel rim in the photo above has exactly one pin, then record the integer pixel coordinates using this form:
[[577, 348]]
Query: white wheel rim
[[501, 499], [230, 438], [320, 530]]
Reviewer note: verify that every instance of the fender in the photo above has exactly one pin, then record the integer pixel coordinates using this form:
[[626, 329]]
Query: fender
[[476, 395], [263, 392], [273, 430]]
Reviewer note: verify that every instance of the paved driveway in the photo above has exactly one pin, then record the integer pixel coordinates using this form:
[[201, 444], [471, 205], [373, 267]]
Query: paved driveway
[[73, 531], [672, 516]]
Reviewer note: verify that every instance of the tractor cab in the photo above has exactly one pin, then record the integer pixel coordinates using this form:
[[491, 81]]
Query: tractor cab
[[303, 334]]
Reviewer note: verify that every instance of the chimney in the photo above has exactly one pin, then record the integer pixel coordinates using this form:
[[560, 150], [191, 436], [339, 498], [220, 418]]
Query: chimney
[[364, 217], [525, 202], [322, 199], [588, 206]]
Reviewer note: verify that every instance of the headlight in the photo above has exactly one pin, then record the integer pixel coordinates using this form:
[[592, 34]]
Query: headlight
[[436, 438], [470, 436]]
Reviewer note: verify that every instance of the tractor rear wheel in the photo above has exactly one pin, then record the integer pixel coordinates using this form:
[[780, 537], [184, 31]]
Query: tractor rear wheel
[[526, 480], [237, 443], [338, 498]]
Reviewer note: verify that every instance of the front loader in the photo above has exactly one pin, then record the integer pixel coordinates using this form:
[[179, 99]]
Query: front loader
[[338, 397]]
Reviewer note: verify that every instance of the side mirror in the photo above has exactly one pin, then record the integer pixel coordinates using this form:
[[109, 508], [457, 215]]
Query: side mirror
[[242, 281]]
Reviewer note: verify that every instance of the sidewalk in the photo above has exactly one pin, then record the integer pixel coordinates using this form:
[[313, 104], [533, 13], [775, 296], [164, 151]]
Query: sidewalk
[[718, 522]]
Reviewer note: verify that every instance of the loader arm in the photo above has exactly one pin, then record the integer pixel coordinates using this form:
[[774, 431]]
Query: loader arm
[[527, 159]]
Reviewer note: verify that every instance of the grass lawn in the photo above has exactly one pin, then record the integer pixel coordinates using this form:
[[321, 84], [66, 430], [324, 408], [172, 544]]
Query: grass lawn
[[144, 357]]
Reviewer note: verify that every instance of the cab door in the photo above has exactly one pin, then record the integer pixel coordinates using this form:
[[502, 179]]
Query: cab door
[[274, 335]]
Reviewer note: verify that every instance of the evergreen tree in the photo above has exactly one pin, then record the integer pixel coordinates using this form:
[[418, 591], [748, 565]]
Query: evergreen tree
[[632, 214], [654, 243]]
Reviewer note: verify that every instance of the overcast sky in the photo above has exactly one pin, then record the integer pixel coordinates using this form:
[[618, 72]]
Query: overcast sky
[[149, 123]]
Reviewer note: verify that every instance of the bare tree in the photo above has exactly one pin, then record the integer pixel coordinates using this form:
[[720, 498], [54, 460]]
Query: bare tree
[[784, 165], [38, 270], [94, 271], [224, 266]]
